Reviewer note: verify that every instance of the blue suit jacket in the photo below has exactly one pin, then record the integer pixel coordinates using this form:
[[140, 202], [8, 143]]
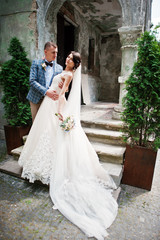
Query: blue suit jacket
[[38, 82]]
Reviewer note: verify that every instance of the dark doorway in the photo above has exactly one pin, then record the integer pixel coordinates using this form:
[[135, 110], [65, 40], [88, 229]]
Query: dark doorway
[[65, 42], [91, 55], [65, 39]]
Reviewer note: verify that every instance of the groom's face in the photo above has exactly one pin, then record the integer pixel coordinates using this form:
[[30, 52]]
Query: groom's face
[[50, 53]]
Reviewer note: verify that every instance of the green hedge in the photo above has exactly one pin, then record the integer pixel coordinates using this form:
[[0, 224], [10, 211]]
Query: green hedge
[[141, 104], [14, 77]]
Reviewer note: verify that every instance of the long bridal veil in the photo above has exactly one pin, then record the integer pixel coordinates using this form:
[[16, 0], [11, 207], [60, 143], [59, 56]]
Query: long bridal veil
[[73, 104], [80, 188]]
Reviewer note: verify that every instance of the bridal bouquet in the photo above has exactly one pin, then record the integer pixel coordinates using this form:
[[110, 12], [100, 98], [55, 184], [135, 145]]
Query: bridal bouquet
[[67, 124]]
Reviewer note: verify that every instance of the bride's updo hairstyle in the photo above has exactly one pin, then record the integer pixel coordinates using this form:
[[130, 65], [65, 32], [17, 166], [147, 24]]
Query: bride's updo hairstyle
[[76, 59]]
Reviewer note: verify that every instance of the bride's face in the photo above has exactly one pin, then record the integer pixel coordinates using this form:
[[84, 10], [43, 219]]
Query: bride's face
[[69, 61]]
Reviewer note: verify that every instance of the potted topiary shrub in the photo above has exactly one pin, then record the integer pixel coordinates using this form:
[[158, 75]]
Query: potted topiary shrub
[[14, 80], [141, 114]]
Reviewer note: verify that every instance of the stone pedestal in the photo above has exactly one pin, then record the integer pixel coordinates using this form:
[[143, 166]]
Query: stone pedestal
[[128, 36]]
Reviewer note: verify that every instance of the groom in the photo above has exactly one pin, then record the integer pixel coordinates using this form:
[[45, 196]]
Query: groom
[[41, 75]]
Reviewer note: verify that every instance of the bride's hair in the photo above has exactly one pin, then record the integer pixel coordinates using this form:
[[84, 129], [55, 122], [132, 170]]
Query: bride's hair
[[76, 59]]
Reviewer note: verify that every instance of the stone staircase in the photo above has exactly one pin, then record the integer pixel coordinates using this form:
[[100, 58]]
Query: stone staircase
[[104, 135]]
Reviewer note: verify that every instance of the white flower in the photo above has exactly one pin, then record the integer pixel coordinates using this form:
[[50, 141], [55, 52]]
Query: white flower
[[67, 124], [44, 66]]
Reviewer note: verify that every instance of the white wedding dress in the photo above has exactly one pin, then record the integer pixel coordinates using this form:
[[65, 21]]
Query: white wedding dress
[[79, 187]]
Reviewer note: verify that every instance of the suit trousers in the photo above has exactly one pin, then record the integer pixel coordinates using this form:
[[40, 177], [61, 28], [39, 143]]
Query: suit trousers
[[34, 108]]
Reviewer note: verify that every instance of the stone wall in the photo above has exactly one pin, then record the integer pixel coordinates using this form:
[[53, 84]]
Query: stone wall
[[86, 32], [94, 87], [110, 67], [18, 18], [136, 13]]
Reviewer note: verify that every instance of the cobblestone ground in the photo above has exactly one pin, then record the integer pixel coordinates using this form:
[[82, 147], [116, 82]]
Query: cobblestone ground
[[26, 213]]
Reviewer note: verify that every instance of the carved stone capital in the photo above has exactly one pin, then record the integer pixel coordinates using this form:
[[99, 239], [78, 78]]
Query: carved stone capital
[[128, 35]]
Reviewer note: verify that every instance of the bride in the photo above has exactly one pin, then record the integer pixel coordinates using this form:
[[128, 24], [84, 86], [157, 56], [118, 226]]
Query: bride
[[79, 187]]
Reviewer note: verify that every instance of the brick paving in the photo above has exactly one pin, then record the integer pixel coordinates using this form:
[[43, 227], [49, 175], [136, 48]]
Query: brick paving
[[26, 213]]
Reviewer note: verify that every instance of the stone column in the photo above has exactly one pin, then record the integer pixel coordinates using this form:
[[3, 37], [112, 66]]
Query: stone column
[[128, 35]]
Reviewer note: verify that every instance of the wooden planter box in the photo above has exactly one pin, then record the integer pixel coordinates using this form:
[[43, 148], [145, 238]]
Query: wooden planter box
[[139, 167], [14, 136]]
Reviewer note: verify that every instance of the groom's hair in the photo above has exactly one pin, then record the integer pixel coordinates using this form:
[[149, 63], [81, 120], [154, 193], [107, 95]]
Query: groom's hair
[[49, 44]]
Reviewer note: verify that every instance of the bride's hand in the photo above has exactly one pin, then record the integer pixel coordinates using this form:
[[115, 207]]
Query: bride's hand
[[60, 116]]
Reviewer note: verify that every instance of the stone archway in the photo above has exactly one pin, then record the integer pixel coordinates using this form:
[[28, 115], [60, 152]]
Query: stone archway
[[97, 23], [135, 17]]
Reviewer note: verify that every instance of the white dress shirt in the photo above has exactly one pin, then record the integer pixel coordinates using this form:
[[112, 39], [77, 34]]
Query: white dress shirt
[[49, 73]]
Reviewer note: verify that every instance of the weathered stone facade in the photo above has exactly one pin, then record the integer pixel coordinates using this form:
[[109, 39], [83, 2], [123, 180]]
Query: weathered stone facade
[[18, 18], [103, 31], [110, 68]]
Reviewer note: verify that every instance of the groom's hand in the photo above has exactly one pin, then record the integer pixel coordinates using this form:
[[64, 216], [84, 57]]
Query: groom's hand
[[52, 94], [60, 85], [55, 96]]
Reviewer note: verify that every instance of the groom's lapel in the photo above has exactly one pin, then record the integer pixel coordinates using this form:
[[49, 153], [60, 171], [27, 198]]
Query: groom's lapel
[[43, 70]]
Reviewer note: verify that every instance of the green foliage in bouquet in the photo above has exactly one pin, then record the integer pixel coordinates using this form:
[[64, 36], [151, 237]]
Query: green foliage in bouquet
[[141, 104], [14, 77]]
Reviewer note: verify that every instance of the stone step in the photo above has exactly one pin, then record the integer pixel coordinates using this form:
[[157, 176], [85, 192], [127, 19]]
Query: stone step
[[103, 124], [104, 136], [25, 138], [114, 170], [98, 106], [109, 153], [12, 167], [106, 153], [17, 151]]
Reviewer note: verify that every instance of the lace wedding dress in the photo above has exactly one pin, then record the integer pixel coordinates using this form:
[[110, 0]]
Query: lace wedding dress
[[79, 187]]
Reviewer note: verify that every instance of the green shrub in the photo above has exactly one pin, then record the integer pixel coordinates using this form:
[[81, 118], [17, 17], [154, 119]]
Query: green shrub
[[14, 77], [141, 104]]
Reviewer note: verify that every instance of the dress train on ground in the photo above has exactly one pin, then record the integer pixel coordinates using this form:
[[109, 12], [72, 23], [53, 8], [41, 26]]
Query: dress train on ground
[[80, 188]]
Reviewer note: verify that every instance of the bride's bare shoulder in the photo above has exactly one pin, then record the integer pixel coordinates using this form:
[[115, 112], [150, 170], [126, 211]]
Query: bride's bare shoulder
[[67, 74]]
